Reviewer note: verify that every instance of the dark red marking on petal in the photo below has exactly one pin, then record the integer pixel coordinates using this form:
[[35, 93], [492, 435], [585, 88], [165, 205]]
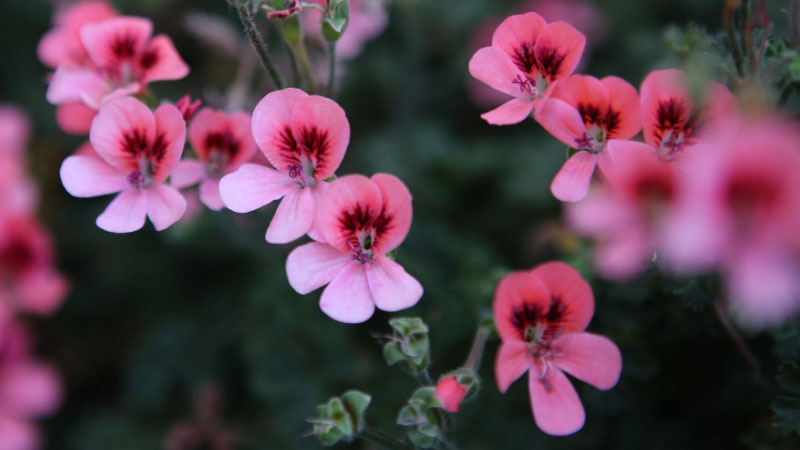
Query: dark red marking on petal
[[316, 143], [750, 196], [591, 114], [222, 141], [673, 115], [549, 61], [612, 122], [361, 219], [149, 58], [288, 145], [17, 256], [124, 46], [524, 58], [135, 144], [530, 314]]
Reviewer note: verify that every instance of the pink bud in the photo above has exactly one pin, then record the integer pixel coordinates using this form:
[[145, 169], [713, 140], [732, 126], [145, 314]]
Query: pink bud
[[187, 107], [450, 392]]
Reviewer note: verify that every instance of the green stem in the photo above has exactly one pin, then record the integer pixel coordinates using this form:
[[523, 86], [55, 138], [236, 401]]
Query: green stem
[[381, 439], [293, 61], [246, 17], [474, 359], [740, 344], [331, 69], [730, 27], [305, 67]]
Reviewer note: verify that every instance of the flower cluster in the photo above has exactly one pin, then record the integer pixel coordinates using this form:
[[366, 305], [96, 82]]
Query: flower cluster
[[29, 284], [712, 186]]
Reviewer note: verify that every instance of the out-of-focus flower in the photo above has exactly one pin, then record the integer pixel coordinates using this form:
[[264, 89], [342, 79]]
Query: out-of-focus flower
[[62, 44], [526, 57], [541, 316], [29, 281], [305, 138], [222, 143], [625, 215], [289, 7], [187, 107], [359, 221], [584, 113], [15, 130], [124, 60], [581, 14], [450, 392], [368, 18], [139, 150], [18, 193], [739, 212]]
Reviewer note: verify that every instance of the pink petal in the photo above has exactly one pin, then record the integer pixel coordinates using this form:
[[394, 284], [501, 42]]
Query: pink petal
[[565, 283], [271, 121], [209, 194], [116, 119], [86, 176], [513, 360], [172, 129], [168, 64], [624, 100], [557, 409], [670, 85], [165, 205], [563, 121], [514, 291], [204, 122], [75, 118], [17, 434], [509, 113], [624, 255], [450, 392], [253, 186], [50, 49], [99, 38], [397, 206], [42, 291], [187, 173], [392, 288], [327, 118], [314, 265], [126, 213], [590, 358], [566, 41], [343, 195], [491, 66], [516, 31], [571, 183], [73, 85], [30, 389], [583, 90], [347, 298], [242, 131], [293, 218]]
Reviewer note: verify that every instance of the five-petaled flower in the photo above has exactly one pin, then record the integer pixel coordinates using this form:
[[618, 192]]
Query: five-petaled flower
[[541, 315], [358, 222], [222, 143], [526, 58], [138, 150], [304, 137], [585, 113]]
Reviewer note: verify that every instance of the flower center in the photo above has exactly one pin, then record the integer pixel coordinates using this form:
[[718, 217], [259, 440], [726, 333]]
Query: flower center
[[142, 178], [303, 171]]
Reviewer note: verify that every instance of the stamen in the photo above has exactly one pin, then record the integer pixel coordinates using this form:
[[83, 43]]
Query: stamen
[[295, 169]]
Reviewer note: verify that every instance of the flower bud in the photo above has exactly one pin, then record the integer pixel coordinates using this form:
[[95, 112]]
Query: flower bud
[[334, 24], [340, 418], [420, 415], [187, 107], [409, 344], [450, 392]]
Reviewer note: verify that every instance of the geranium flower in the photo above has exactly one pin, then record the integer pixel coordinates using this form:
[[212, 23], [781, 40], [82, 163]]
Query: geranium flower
[[358, 222], [139, 150], [541, 316], [222, 143], [585, 113], [305, 138], [63, 45], [527, 56], [124, 60]]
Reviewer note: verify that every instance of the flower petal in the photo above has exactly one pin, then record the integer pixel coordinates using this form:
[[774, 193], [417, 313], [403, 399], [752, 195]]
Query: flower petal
[[513, 360], [345, 195], [171, 128], [557, 409], [18, 434], [566, 284], [391, 286], [510, 112], [397, 208], [126, 213], [558, 50], [514, 291], [85, 176], [116, 120], [583, 91], [74, 85], [271, 124], [99, 39], [187, 173], [590, 358], [293, 218], [314, 265], [253, 186], [320, 126], [75, 117], [517, 31], [571, 183], [209, 194], [29, 389], [347, 298], [163, 61], [563, 121], [165, 205], [664, 88], [491, 66], [624, 103]]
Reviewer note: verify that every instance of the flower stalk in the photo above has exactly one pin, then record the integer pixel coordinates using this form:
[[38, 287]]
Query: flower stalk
[[246, 18]]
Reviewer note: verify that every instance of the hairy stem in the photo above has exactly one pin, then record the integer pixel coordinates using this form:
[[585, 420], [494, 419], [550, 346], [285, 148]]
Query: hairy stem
[[331, 69], [246, 17], [305, 67], [476, 353], [383, 440], [730, 27], [740, 344]]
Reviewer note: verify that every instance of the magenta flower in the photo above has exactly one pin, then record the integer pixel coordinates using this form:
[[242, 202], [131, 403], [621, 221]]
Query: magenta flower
[[222, 143], [541, 315], [124, 59], [187, 107], [527, 56], [304, 137], [358, 222], [139, 150], [450, 392], [585, 113]]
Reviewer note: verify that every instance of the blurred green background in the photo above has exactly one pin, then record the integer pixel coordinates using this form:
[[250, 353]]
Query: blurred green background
[[153, 317]]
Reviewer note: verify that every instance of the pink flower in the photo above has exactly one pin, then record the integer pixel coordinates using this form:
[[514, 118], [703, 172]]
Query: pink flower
[[62, 44], [304, 137], [29, 281], [124, 60], [541, 316], [583, 15], [358, 222], [527, 56], [626, 214], [15, 130], [585, 113], [222, 143], [739, 212], [75, 117], [187, 107], [367, 21], [139, 150], [450, 392]]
